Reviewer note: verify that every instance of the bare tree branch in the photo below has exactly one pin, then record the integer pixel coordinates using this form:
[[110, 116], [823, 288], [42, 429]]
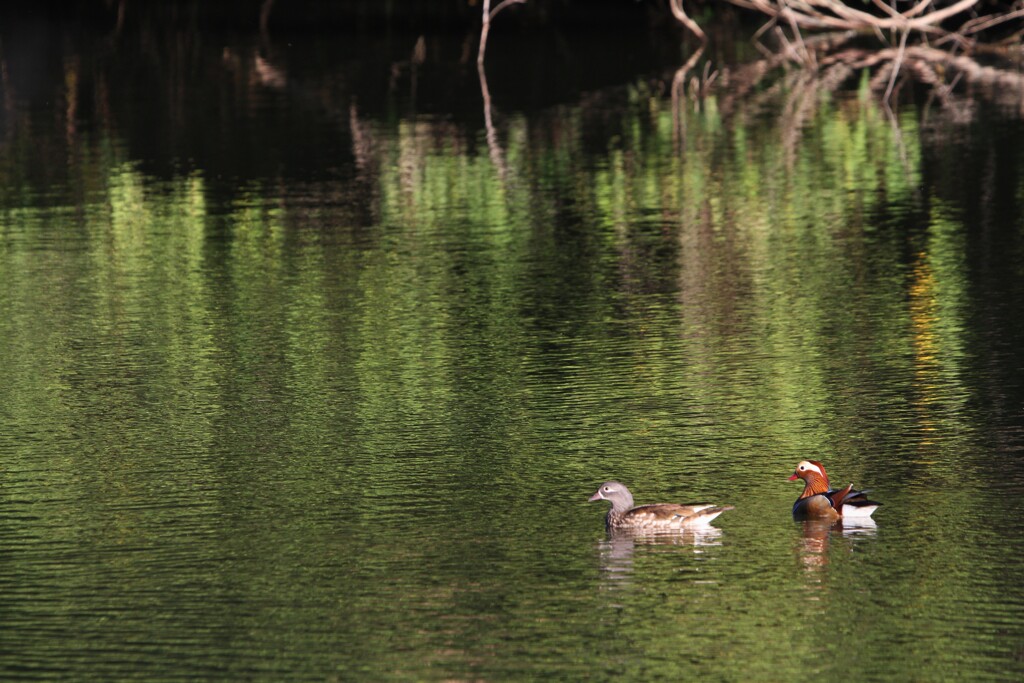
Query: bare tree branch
[[680, 14], [485, 29]]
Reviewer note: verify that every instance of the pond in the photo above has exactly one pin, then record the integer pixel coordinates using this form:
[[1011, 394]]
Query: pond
[[310, 365]]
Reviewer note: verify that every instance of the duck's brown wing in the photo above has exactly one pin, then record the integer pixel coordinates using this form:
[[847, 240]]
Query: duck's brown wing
[[838, 497], [860, 499], [671, 514], [814, 507], [852, 503]]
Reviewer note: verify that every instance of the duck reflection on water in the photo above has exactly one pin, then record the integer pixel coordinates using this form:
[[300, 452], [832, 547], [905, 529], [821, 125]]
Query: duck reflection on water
[[817, 534], [617, 551]]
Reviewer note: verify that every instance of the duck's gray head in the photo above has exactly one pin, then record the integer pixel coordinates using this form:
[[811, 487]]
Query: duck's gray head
[[620, 497]]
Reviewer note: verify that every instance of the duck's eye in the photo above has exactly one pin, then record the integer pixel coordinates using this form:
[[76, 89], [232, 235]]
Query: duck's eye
[[607, 488], [802, 468]]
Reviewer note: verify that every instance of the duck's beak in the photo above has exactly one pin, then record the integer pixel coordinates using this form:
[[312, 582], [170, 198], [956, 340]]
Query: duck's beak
[[793, 477], [596, 496]]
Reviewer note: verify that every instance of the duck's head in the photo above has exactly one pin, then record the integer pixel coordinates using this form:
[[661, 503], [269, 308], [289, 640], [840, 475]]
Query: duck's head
[[810, 471], [615, 492]]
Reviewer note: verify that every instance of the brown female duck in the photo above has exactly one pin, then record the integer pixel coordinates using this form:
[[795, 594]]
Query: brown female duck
[[820, 501], [658, 516]]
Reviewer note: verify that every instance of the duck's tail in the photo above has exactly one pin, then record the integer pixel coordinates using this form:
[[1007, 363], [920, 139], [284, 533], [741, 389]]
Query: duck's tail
[[852, 503], [704, 517]]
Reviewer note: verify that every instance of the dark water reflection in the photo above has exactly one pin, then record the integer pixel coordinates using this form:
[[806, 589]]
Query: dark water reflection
[[299, 384]]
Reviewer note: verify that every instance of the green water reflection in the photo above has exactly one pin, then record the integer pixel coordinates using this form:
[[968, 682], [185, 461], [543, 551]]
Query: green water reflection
[[344, 426]]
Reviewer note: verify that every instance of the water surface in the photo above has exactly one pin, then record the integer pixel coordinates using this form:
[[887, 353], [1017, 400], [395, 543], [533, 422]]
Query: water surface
[[307, 379]]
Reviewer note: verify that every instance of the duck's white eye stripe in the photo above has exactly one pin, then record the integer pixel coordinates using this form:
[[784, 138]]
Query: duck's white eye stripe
[[811, 466]]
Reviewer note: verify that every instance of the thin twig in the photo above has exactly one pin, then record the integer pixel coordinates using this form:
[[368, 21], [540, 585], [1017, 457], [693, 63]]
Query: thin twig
[[493, 145], [485, 29], [896, 65], [680, 14], [678, 81], [806, 56], [503, 4], [788, 46], [984, 23]]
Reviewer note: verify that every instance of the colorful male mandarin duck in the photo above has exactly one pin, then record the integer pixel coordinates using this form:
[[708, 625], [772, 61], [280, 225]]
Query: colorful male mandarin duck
[[820, 501], [655, 517]]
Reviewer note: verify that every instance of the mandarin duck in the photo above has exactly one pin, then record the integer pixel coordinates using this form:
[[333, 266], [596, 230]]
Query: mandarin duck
[[820, 501], [654, 517]]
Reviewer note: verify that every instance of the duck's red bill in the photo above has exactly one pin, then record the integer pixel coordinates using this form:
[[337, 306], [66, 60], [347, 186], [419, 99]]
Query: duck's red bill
[[794, 477]]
